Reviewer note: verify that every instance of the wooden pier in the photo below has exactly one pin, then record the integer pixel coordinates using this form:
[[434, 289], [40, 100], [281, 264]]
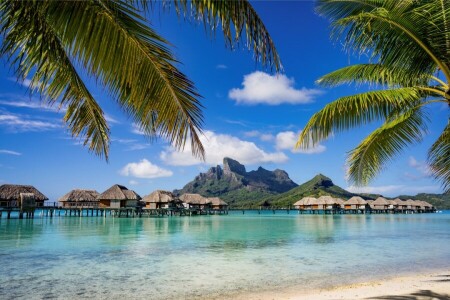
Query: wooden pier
[[127, 212]]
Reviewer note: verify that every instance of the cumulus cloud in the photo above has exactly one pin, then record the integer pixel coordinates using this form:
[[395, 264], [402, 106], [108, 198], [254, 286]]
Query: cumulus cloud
[[265, 137], [22, 123], [263, 88], [394, 190], [144, 169], [286, 140], [10, 152], [218, 146]]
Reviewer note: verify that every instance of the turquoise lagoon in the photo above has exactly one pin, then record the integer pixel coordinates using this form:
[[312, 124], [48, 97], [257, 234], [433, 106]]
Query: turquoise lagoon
[[210, 256]]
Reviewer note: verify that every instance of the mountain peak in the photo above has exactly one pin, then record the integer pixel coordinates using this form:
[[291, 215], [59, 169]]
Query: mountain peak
[[235, 181], [322, 180], [233, 166]]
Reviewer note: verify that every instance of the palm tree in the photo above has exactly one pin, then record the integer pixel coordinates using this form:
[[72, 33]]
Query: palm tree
[[60, 43], [408, 43]]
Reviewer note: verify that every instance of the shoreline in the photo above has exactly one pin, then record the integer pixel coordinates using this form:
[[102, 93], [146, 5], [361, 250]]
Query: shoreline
[[424, 285]]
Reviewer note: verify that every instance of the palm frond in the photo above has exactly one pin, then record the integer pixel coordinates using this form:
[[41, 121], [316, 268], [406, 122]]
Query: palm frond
[[352, 111], [35, 48], [374, 152], [439, 158], [400, 34], [373, 74], [238, 21]]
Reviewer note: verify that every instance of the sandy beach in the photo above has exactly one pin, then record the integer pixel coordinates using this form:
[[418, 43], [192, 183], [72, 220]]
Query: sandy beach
[[433, 285]]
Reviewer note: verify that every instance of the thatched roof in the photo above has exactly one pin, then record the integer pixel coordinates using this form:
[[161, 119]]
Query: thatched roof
[[413, 203], [79, 195], [194, 199], [13, 191], [355, 200], [339, 201], [426, 204], [217, 201], [118, 192], [380, 201], [392, 202], [305, 201], [399, 201], [326, 200], [160, 196]]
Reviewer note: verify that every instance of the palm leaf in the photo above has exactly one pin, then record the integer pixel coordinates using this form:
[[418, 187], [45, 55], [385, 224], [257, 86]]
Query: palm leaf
[[373, 74], [235, 18], [372, 154], [439, 158], [400, 34], [38, 49], [353, 111]]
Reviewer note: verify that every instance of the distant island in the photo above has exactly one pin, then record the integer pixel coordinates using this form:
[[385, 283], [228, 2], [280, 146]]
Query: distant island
[[246, 190]]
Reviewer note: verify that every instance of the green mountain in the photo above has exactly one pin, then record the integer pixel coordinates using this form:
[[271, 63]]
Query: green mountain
[[242, 189], [238, 187], [318, 186]]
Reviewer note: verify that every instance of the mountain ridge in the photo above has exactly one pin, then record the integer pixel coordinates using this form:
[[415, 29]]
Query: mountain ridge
[[261, 187]]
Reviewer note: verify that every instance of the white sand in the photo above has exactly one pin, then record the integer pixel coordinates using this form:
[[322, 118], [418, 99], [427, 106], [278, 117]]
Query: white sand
[[424, 286]]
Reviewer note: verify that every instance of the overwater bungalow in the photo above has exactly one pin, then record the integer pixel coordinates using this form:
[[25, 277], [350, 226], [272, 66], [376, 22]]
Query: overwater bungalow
[[401, 205], [160, 199], [380, 205], [13, 195], [415, 205], [425, 206], [356, 204], [392, 204], [195, 201], [79, 198], [329, 203], [118, 196], [305, 203], [218, 204]]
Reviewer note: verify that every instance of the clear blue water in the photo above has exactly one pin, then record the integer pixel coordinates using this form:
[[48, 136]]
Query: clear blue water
[[209, 256]]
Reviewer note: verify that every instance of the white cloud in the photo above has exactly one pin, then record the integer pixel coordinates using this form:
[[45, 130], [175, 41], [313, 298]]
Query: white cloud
[[21, 123], [286, 140], [144, 169], [262, 88], [10, 152], [394, 190], [110, 119], [265, 137], [421, 166], [221, 66], [218, 146], [133, 182]]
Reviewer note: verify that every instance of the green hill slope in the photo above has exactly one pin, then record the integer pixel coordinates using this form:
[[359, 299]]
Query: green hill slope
[[320, 185]]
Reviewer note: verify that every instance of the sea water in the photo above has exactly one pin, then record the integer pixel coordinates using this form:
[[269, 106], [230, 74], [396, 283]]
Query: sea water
[[211, 256]]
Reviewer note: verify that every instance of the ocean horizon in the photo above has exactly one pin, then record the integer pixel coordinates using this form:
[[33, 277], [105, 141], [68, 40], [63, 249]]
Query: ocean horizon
[[215, 255]]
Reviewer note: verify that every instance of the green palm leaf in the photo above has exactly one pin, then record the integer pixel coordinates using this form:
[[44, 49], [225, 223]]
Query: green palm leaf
[[409, 41], [372, 154], [237, 20], [439, 158], [38, 46], [110, 41], [373, 74], [353, 111]]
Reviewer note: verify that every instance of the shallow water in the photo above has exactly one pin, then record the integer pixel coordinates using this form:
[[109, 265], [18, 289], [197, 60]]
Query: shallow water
[[208, 256]]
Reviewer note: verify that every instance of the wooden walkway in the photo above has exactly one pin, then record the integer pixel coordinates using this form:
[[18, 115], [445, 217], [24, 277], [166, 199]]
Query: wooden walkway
[[51, 211]]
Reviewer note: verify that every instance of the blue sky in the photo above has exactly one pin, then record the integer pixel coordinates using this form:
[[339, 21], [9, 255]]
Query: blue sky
[[250, 114]]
